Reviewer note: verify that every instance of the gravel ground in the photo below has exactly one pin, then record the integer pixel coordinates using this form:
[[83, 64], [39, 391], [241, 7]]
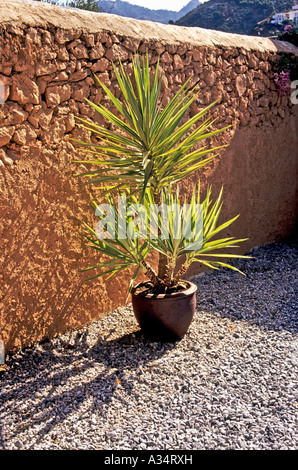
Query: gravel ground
[[229, 384]]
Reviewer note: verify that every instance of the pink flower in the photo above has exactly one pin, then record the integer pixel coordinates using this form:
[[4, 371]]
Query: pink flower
[[288, 28], [282, 81]]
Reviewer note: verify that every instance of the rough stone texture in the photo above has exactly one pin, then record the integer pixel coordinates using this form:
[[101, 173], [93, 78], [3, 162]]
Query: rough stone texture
[[48, 58], [5, 135]]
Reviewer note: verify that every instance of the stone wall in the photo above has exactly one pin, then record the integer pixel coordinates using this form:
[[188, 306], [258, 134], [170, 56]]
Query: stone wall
[[49, 56]]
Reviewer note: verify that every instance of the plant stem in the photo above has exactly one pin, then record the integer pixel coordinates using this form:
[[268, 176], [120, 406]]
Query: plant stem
[[149, 271], [163, 268], [180, 273], [168, 280]]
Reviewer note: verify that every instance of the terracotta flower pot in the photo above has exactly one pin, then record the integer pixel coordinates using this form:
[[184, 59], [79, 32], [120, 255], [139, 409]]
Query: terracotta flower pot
[[164, 317]]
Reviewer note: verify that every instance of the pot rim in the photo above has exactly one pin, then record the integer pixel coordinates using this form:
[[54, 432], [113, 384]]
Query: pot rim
[[174, 295]]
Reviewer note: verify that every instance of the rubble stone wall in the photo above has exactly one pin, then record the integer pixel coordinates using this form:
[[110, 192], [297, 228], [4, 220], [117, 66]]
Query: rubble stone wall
[[49, 56]]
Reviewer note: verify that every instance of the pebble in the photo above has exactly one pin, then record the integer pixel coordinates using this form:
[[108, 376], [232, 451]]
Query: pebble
[[230, 383]]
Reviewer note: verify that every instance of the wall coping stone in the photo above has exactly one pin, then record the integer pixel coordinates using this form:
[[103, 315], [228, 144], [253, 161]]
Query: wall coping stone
[[40, 14]]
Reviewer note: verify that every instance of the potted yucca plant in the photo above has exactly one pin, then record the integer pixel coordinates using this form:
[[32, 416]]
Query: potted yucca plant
[[138, 163]]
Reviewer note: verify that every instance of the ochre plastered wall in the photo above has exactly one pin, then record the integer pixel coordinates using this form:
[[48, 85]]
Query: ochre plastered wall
[[49, 56]]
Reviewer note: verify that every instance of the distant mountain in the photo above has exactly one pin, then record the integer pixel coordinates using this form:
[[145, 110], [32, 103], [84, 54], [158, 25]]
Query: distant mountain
[[233, 16], [119, 7]]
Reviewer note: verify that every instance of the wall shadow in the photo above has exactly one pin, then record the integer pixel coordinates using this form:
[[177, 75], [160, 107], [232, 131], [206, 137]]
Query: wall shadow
[[50, 368]]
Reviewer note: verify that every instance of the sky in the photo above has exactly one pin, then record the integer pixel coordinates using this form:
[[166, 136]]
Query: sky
[[174, 5]]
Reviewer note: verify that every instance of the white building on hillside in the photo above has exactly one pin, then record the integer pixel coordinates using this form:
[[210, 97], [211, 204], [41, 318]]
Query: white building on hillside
[[291, 15]]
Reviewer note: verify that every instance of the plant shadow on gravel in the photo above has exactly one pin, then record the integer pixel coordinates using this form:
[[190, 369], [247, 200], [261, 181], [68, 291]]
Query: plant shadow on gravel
[[46, 369]]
